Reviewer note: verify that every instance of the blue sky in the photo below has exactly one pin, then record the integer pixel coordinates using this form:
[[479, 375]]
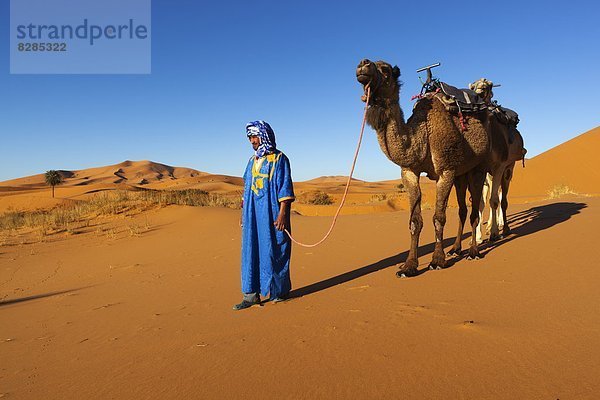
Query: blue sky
[[217, 65]]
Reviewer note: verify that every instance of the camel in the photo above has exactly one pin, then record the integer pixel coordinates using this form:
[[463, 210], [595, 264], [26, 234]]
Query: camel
[[509, 141], [431, 141], [506, 148], [501, 174]]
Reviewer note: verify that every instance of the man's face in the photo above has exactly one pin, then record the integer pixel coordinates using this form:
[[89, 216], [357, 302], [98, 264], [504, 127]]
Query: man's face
[[254, 141]]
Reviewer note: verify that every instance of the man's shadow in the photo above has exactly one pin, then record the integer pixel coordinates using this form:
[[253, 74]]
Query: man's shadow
[[523, 223], [4, 303]]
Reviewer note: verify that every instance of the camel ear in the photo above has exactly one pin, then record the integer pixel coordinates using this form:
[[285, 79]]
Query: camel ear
[[396, 72]]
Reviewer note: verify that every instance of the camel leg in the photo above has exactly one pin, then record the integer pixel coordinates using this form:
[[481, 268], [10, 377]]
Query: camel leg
[[442, 192], [484, 200], [494, 204], [460, 185], [411, 180], [507, 177], [476, 180], [499, 214]]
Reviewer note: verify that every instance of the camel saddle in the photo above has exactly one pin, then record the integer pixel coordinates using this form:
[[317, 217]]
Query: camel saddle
[[456, 100], [505, 115]]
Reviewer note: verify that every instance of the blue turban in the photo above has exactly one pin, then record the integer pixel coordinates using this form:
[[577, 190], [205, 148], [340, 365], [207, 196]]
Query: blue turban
[[267, 137]]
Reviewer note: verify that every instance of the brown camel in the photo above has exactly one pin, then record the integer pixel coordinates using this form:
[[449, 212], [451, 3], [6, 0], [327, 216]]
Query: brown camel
[[507, 148], [432, 141], [501, 172]]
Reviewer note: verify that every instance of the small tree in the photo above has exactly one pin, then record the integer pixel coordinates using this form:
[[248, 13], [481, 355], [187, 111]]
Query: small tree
[[53, 178]]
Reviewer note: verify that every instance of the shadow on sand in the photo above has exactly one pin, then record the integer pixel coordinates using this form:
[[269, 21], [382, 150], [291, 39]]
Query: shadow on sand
[[38, 296], [523, 223], [534, 220]]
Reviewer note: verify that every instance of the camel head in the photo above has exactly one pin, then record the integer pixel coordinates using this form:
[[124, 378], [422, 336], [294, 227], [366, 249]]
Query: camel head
[[483, 88], [382, 78]]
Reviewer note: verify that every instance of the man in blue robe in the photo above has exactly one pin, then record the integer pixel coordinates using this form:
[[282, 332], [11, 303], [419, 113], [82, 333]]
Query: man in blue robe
[[268, 194]]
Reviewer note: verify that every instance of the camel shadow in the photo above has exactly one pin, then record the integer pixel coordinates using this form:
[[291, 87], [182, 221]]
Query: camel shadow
[[523, 223], [534, 220], [366, 270]]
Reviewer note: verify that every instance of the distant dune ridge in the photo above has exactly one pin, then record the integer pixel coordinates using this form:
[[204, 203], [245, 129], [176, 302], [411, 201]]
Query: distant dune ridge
[[30, 193], [332, 179], [571, 167], [134, 172]]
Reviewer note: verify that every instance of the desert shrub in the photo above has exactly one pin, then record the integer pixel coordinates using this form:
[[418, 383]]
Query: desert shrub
[[378, 197], [189, 197], [66, 217], [559, 191], [11, 220], [321, 199]]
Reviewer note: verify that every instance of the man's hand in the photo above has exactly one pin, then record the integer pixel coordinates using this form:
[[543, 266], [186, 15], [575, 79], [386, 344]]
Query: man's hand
[[283, 219], [280, 222]]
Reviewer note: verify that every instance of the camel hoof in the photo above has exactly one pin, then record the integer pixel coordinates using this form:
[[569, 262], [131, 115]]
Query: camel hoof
[[438, 260], [454, 252], [405, 274], [408, 269], [435, 267], [495, 238]]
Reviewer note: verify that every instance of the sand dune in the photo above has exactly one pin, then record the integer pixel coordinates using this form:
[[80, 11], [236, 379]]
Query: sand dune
[[332, 179], [573, 164], [210, 182], [129, 172], [30, 193]]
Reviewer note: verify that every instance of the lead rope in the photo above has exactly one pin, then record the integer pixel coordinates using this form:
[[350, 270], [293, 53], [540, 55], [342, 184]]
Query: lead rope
[[362, 129]]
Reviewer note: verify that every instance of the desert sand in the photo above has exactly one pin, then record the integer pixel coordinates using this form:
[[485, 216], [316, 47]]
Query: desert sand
[[111, 311], [573, 164]]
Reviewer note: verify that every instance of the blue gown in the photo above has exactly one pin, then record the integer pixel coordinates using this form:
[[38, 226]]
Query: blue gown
[[265, 250]]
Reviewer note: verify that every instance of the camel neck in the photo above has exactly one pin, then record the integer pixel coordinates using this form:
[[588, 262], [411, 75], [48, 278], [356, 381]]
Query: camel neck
[[393, 134]]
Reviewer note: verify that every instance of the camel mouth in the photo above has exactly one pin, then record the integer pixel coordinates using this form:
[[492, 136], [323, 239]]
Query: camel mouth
[[364, 79], [367, 82]]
